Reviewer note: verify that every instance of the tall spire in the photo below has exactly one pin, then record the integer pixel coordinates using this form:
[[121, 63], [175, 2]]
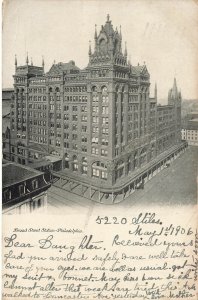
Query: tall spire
[[175, 83], [155, 92], [89, 48], [43, 63], [120, 32], [175, 92], [95, 35], [108, 17], [15, 62], [31, 62], [125, 50], [27, 59]]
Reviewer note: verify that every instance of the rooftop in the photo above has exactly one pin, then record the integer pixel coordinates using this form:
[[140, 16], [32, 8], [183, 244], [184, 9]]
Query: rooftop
[[63, 67], [13, 173]]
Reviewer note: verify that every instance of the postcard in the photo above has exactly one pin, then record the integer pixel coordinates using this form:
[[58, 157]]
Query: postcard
[[100, 149]]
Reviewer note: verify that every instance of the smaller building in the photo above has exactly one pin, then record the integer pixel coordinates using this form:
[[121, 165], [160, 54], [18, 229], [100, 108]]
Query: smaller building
[[7, 94], [24, 190], [190, 130]]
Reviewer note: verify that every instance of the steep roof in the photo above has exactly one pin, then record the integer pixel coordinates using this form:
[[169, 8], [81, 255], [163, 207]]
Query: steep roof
[[59, 68], [139, 69], [13, 173]]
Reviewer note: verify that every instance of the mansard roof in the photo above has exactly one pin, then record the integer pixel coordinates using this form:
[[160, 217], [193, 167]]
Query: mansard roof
[[58, 69]]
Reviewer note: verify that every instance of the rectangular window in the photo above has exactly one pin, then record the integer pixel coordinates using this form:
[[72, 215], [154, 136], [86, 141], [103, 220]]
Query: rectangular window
[[95, 109], [74, 136], [75, 147], [95, 129], [84, 118], [35, 184], [84, 128], [75, 167], [105, 99], [105, 142], [84, 169], [74, 127], [105, 121], [84, 108], [104, 152], [95, 119], [104, 174], [95, 172], [66, 145], [74, 117], [105, 131], [21, 189], [94, 140], [7, 195], [94, 150], [105, 110], [84, 148]]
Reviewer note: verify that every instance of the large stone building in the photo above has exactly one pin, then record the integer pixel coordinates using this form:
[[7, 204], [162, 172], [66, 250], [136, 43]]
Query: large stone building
[[100, 121]]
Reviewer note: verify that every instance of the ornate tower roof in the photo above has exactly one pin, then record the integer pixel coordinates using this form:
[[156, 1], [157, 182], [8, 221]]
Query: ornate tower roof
[[108, 44]]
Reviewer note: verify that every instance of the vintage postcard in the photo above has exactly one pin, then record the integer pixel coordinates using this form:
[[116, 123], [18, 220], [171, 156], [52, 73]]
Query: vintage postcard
[[100, 149]]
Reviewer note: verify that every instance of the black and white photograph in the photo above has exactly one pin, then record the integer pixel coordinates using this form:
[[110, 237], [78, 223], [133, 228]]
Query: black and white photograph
[[100, 132]]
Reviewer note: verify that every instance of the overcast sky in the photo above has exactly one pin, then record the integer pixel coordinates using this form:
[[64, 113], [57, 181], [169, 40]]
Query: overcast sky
[[162, 33]]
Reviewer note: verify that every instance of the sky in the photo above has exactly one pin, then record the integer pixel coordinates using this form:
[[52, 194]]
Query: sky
[[161, 33]]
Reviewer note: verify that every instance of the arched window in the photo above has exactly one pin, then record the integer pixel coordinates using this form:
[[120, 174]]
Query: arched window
[[75, 163], [94, 89], [84, 165], [66, 160], [99, 170], [104, 89]]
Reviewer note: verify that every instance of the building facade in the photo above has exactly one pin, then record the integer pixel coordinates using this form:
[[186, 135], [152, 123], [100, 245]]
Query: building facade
[[100, 121], [190, 130], [24, 190]]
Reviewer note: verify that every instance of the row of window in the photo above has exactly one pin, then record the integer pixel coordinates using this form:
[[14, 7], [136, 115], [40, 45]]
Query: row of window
[[38, 106], [37, 90], [95, 151], [76, 89], [37, 114], [105, 120], [37, 98], [7, 194], [35, 130], [37, 122], [95, 98], [39, 139], [75, 98]]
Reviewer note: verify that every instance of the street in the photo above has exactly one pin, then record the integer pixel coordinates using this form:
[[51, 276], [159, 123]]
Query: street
[[175, 185]]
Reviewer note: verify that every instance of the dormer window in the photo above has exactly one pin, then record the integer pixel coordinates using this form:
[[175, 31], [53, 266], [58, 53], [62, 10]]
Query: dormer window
[[21, 189], [35, 184]]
